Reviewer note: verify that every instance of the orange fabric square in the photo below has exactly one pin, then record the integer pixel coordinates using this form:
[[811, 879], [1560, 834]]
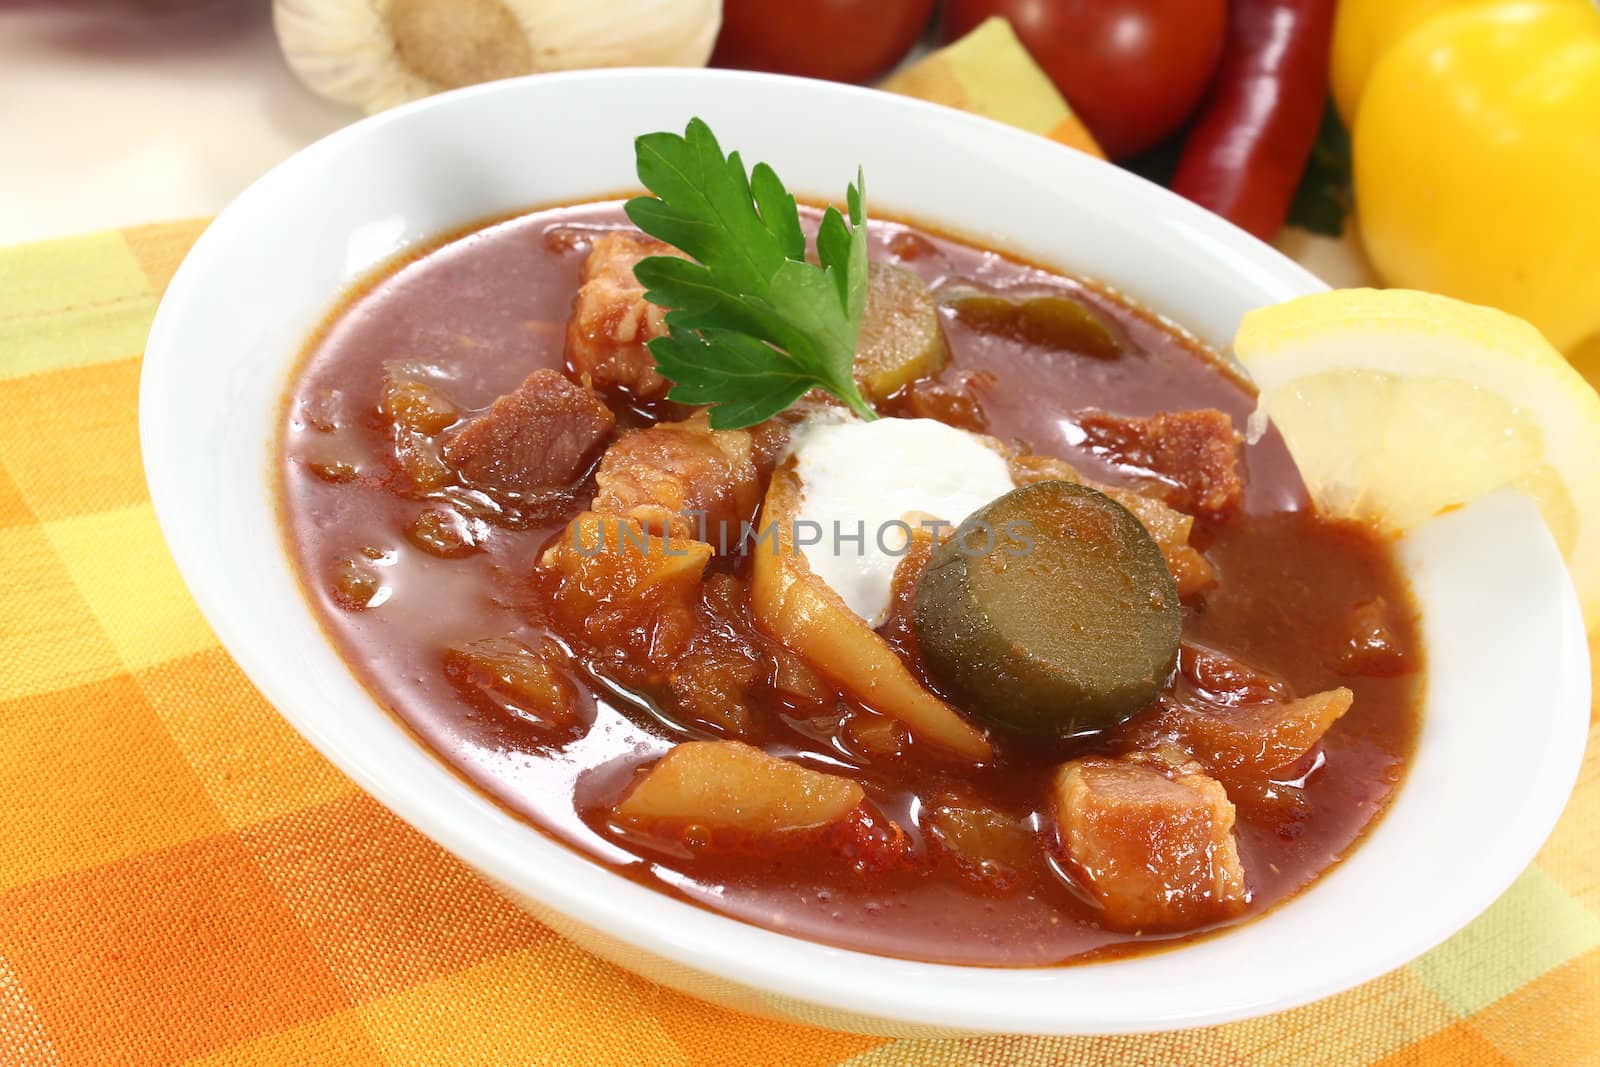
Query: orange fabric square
[[160, 247], [14, 510], [709, 1034], [163, 956], [1455, 1046], [1553, 1019], [386, 907], [252, 764], [70, 438], [89, 776]]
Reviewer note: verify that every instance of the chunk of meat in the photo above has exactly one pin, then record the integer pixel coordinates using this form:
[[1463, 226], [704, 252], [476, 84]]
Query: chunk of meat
[[1156, 852], [504, 674], [734, 786], [612, 323], [1169, 527], [684, 477], [544, 435], [1195, 452]]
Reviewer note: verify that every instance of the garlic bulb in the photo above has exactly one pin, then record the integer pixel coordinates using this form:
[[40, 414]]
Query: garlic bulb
[[379, 53]]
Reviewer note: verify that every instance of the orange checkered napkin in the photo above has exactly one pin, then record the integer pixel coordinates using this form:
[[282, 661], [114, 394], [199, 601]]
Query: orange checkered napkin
[[183, 880]]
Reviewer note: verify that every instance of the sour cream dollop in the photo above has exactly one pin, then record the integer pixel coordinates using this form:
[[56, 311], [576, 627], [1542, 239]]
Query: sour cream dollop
[[860, 481]]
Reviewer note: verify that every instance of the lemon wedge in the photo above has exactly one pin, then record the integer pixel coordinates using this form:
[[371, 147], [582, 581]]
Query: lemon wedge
[[1399, 406]]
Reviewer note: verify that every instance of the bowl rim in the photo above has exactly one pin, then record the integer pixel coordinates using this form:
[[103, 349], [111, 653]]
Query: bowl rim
[[786, 969]]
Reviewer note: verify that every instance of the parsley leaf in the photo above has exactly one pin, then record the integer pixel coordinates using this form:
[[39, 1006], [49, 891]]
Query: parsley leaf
[[753, 325]]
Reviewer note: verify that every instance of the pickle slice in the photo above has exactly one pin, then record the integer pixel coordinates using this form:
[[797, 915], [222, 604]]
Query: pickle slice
[[900, 339], [1047, 319], [1051, 612]]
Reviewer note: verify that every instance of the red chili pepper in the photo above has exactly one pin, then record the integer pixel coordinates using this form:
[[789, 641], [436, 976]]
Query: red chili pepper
[[1245, 154]]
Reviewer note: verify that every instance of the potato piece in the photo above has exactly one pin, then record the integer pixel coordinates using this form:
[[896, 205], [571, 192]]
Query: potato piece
[[800, 610], [1156, 852], [1071, 623], [900, 339], [735, 786]]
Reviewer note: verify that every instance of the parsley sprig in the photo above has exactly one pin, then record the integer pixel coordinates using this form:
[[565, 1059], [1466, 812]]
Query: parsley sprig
[[753, 325]]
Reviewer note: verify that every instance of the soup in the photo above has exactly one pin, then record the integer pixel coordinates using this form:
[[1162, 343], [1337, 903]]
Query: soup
[[464, 428]]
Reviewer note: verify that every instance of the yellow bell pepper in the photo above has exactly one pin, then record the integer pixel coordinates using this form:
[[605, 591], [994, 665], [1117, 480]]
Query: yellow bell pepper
[[1476, 135]]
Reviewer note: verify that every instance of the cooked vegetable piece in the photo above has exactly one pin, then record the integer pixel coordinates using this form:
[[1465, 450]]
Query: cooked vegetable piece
[[505, 674], [354, 583], [989, 846], [544, 435], [1056, 615], [1170, 528], [621, 588], [735, 786], [953, 399], [799, 609], [1372, 648], [1048, 319], [1253, 739], [412, 399], [444, 532], [900, 339], [1156, 852]]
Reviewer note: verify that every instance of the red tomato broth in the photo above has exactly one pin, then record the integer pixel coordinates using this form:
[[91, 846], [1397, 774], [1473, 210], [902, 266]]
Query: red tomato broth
[[490, 306]]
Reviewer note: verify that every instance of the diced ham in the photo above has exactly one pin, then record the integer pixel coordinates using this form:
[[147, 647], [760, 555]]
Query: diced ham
[[1195, 452], [662, 474], [545, 435], [612, 322], [734, 786], [1155, 850], [1169, 527]]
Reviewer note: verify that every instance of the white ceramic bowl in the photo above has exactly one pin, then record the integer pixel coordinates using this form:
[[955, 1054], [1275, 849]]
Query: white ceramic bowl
[[1507, 672]]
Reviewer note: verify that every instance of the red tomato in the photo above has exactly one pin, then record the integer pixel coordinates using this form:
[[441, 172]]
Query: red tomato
[[841, 40], [1133, 70]]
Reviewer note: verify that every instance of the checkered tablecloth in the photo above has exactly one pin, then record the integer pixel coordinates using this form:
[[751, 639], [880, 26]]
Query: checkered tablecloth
[[182, 879]]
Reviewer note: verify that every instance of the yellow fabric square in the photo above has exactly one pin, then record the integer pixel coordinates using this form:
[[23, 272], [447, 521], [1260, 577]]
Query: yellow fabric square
[[123, 569], [1181, 1049], [70, 439], [337, 1039], [73, 302], [1356, 1026], [549, 1004], [49, 637], [707, 1033], [250, 761], [90, 776], [1534, 927]]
